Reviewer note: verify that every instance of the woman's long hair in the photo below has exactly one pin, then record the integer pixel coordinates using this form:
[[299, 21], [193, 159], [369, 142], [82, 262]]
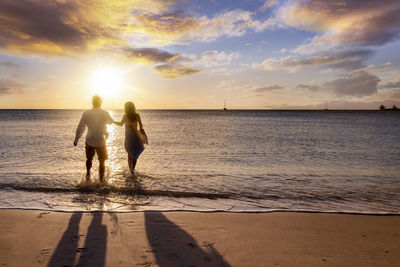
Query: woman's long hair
[[130, 111]]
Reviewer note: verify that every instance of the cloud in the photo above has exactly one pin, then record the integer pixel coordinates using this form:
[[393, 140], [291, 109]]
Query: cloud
[[373, 67], [313, 46], [387, 72], [9, 64], [212, 58], [175, 70], [310, 87], [150, 55], [173, 67], [257, 89], [259, 26], [394, 84], [163, 29], [40, 26], [179, 28], [341, 60], [37, 25], [388, 94], [353, 22], [62, 28], [10, 87], [267, 4], [357, 83], [67, 27], [266, 88]]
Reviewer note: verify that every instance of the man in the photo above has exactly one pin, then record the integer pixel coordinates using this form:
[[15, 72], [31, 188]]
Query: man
[[95, 120]]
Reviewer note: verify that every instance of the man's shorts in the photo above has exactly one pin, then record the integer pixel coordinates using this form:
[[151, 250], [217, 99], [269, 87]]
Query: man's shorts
[[101, 152]]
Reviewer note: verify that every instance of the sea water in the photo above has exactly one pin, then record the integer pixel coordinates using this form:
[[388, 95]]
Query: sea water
[[208, 160]]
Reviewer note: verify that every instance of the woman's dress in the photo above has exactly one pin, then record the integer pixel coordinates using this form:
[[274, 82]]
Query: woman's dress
[[133, 141]]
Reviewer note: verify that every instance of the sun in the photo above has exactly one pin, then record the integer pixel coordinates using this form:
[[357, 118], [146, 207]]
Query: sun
[[107, 82]]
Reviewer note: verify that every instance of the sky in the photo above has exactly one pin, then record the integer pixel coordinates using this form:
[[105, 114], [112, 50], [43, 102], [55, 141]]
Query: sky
[[177, 54]]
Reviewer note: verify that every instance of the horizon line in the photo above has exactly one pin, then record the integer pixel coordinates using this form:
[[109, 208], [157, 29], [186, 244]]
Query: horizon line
[[208, 109]]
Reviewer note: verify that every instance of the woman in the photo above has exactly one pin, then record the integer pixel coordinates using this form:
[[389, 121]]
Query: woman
[[134, 139]]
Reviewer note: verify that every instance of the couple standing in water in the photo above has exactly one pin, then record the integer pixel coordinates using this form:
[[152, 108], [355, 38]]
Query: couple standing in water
[[96, 120]]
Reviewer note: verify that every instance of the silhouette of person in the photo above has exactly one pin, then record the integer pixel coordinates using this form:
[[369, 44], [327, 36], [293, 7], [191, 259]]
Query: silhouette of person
[[134, 138], [95, 120]]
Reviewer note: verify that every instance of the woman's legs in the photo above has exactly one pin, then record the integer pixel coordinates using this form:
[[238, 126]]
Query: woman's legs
[[131, 163]]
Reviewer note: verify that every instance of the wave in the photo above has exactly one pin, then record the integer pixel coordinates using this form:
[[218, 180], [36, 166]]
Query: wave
[[87, 196], [139, 191], [255, 211], [104, 190]]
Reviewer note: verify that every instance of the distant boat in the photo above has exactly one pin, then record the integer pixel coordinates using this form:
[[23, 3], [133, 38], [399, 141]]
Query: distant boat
[[224, 106]]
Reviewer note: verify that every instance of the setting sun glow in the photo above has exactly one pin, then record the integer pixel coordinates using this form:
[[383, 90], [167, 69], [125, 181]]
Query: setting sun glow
[[107, 82]]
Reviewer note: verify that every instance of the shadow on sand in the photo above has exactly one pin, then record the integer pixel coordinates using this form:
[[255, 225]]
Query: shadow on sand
[[93, 253], [64, 254], [173, 246]]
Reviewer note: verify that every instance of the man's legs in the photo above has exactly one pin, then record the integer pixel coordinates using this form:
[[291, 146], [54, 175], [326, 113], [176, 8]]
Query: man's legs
[[102, 167], [90, 151], [102, 155], [88, 167]]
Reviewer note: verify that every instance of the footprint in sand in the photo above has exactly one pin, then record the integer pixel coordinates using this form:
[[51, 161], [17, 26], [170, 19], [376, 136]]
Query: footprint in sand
[[76, 237], [41, 214], [80, 250], [207, 244], [146, 264], [45, 251]]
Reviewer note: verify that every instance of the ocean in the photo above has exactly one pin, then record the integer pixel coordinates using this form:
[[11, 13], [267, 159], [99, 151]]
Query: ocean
[[208, 160]]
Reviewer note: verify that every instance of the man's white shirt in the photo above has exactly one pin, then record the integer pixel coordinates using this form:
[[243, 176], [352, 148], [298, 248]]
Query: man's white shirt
[[95, 120]]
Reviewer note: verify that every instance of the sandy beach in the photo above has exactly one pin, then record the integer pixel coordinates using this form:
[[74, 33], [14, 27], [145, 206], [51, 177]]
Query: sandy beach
[[38, 238]]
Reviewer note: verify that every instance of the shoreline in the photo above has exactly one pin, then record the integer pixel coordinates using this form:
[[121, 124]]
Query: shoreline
[[151, 238], [210, 211]]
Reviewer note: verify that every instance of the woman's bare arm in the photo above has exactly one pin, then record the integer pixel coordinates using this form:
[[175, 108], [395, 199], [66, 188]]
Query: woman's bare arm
[[140, 122], [121, 122]]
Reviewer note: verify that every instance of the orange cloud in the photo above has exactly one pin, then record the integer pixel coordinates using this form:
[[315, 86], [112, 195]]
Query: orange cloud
[[163, 29], [178, 28], [150, 55], [61, 27], [66, 27], [175, 70]]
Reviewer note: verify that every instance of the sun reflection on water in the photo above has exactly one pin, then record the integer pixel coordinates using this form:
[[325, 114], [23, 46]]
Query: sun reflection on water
[[114, 147]]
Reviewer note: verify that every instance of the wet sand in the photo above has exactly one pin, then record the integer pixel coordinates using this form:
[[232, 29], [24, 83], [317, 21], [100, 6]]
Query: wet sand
[[37, 238]]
